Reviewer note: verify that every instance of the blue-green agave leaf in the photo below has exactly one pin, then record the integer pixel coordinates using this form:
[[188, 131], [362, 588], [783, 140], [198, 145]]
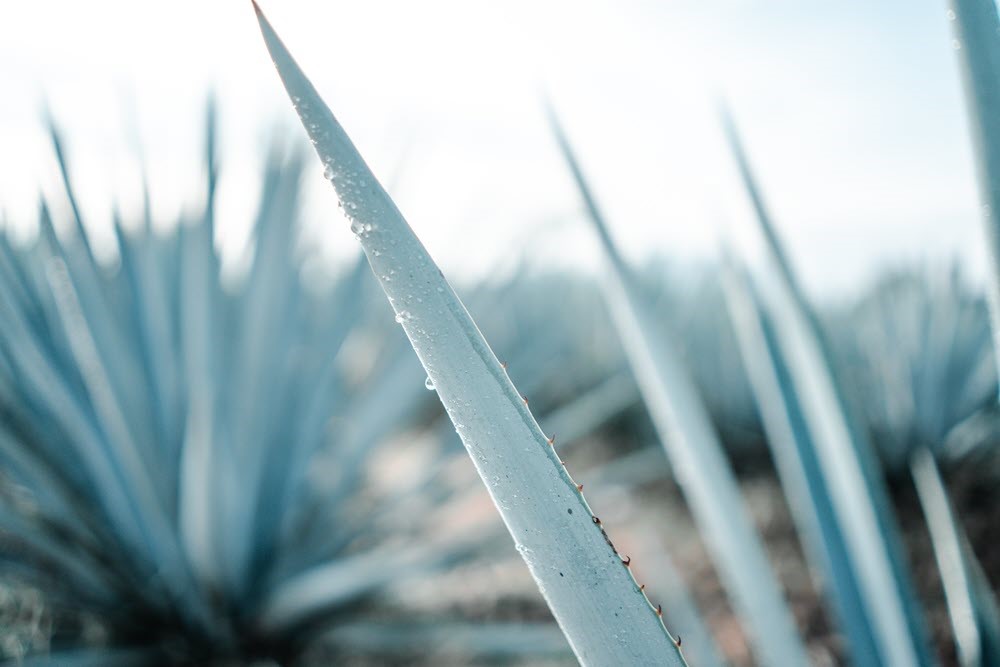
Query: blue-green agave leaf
[[694, 450], [454, 639], [976, 27], [847, 459], [94, 658], [971, 604], [604, 614], [797, 463]]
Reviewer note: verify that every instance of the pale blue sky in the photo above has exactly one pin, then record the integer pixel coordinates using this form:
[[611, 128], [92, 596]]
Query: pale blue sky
[[851, 111]]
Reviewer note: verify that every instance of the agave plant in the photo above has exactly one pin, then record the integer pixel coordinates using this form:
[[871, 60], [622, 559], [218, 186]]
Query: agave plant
[[201, 469], [918, 356], [213, 473]]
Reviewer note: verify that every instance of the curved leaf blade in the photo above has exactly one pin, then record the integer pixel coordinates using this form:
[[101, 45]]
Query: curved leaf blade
[[798, 466], [971, 606], [976, 27], [694, 450], [847, 459]]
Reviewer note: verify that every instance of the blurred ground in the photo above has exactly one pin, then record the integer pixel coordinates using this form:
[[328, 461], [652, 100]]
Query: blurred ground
[[503, 591], [658, 507]]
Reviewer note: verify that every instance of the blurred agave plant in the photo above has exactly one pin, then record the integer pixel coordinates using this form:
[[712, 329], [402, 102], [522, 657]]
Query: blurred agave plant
[[160, 439], [919, 357]]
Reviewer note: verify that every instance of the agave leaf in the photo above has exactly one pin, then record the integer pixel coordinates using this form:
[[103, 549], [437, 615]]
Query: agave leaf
[[293, 603], [798, 466], [344, 579], [846, 458], [463, 640], [605, 616], [152, 324], [57, 145], [694, 450], [12, 275], [976, 27], [94, 658], [200, 518], [971, 606]]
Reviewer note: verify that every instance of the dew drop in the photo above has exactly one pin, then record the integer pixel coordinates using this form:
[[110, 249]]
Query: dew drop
[[429, 383], [328, 172], [402, 316], [951, 15]]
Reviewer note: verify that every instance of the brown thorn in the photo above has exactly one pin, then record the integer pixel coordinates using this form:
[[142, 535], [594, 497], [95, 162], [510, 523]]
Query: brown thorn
[[596, 520], [503, 365], [579, 487], [642, 587], [659, 610], [627, 561], [552, 441], [525, 399], [564, 463], [678, 642]]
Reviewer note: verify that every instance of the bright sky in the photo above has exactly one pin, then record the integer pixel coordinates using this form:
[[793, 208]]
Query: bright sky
[[851, 112]]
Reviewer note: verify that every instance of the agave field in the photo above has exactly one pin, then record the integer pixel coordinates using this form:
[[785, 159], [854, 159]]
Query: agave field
[[640, 467]]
